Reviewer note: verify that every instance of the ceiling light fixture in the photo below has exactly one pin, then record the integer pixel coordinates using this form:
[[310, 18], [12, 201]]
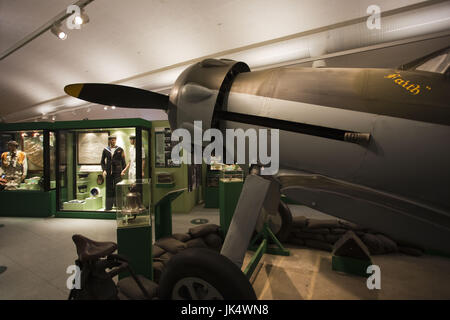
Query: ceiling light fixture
[[59, 18], [83, 18], [57, 31]]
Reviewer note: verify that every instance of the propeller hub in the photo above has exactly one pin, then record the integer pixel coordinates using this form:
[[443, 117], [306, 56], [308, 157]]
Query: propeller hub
[[201, 90]]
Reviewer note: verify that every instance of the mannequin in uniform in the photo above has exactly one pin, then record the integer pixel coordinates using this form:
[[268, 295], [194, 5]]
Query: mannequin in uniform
[[132, 163], [14, 165], [113, 163]]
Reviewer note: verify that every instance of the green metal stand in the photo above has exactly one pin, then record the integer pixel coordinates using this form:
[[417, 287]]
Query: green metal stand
[[229, 193], [267, 236], [163, 214], [136, 245]]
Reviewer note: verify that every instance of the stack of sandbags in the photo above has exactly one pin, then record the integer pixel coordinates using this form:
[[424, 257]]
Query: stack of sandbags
[[203, 236], [324, 233]]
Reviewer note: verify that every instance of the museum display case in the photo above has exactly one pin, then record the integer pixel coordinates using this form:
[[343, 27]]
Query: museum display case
[[27, 170], [65, 178], [93, 157], [133, 203], [231, 173]]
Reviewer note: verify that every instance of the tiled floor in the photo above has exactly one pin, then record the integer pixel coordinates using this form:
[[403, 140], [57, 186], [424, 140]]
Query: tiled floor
[[37, 252]]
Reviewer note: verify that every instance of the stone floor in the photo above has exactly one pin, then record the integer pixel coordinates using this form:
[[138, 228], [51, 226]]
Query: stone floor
[[37, 252]]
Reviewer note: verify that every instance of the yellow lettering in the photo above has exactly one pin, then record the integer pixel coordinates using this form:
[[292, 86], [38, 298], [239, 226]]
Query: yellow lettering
[[399, 81], [416, 90], [393, 76]]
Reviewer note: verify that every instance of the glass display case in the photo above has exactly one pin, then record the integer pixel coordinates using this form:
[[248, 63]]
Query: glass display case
[[26, 160], [231, 173], [27, 171], [133, 203], [93, 158]]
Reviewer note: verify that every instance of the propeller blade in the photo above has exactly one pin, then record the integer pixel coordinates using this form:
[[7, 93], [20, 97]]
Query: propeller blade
[[117, 95]]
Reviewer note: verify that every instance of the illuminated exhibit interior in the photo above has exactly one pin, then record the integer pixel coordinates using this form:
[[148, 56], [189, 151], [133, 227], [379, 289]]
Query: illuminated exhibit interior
[[224, 150]]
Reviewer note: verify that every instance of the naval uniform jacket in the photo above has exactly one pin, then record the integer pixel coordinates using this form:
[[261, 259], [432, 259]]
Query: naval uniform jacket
[[113, 164]]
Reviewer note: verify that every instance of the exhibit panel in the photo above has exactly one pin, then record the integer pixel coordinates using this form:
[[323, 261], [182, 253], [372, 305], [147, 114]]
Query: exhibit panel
[[168, 175]]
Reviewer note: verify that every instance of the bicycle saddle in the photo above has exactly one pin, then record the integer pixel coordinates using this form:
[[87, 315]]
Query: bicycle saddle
[[88, 249]]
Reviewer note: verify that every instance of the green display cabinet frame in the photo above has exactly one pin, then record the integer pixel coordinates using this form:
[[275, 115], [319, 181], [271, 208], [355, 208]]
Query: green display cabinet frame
[[31, 203], [139, 125]]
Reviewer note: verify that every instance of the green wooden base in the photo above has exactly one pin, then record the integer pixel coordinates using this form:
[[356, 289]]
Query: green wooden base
[[27, 203], [86, 215], [229, 193], [212, 197], [135, 244], [348, 265]]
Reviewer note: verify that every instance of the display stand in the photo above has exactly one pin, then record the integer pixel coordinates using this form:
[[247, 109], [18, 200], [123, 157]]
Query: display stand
[[134, 228], [229, 193], [267, 237], [135, 243], [351, 255], [163, 214], [349, 265], [212, 189]]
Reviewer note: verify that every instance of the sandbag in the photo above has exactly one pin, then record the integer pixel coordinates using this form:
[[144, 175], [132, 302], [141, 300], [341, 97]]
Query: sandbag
[[339, 231], [389, 245], [373, 243], [349, 225], [307, 235], [319, 230], [196, 243], [203, 230], [171, 245], [296, 241], [158, 268], [157, 251], [213, 240], [183, 237], [416, 252], [299, 222], [164, 258], [332, 238], [323, 223]]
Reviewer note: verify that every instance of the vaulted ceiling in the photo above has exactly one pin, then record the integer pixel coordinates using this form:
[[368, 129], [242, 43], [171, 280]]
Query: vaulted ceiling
[[127, 41]]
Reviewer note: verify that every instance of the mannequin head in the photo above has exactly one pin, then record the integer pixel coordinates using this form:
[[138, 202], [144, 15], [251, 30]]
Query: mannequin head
[[133, 140], [12, 146], [112, 141]]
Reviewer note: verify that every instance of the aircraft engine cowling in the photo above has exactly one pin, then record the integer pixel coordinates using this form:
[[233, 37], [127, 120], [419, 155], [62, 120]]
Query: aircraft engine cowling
[[200, 90]]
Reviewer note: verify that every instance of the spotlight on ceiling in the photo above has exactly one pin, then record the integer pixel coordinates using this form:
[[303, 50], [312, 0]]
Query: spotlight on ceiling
[[57, 31], [83, 18]]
